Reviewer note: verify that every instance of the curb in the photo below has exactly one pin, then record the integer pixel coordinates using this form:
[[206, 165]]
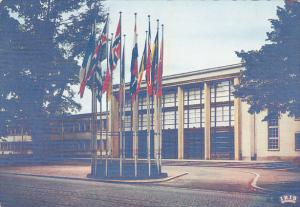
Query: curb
[[100, 180], [254, 186]]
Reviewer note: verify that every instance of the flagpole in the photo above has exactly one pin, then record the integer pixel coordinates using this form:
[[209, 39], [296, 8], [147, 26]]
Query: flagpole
[[158, 118], [111, 105], [106, 131], [121, 134], [160, 111], [148, 99], [148, 128], [123, 99], [94, 119], [135, 111]]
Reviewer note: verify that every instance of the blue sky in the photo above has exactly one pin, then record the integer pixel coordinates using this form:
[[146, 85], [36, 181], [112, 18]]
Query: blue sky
[[198, 34]]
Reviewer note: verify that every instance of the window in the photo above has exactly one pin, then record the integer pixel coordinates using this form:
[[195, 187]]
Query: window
[[222, 116], [169, 100], [297, 141], [127, 122], [87, 125], [222, 106], [194, 107], [169, 120], [273, 134], [127, 106]]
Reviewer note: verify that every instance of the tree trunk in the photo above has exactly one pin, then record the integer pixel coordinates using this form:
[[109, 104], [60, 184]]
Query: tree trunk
[[40, 129]]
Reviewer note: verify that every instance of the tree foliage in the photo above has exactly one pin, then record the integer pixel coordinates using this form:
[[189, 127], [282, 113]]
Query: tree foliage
[[40, 41], [271, 79]]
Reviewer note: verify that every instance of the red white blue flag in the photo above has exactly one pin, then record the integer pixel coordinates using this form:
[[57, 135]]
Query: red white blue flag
[[134, 67]]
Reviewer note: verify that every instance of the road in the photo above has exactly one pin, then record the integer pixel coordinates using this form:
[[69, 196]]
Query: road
[[28, 191]]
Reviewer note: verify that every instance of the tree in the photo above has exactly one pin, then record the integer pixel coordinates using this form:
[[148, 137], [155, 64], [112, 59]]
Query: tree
[[40, 41], [271, 79]]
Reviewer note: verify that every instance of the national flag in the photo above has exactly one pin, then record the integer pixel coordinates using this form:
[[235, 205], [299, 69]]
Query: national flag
[[107, 75], [142, 67], [122, 78], [99, 82], [86, 63], [154, 67], [104, 44], [149, 64], [116, 46], [100, 51], [160, 69], [134, 67]]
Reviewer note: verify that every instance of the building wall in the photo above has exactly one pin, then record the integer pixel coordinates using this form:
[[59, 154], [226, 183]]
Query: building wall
[[191, 117], [247, 133], [287, 129]]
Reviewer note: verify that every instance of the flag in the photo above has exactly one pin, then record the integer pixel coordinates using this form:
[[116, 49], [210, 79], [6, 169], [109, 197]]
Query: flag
[[85, 67], [134, 67], [99, 52], [154, 67], [160, 69], [99, 82], [122, 78], [142, 67], [116, 46], [103, 40], [107, 76], [149, 63]]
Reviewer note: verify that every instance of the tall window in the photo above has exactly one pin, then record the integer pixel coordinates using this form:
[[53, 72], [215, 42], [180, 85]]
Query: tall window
[[169, 111], [273, 134], [194, 107], [222, 106], [143, 121], [127, 121]]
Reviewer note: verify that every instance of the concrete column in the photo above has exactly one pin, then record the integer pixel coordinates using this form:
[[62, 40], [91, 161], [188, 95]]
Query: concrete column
[[114, 125], [207, 121], [180, 120], [237, 125]]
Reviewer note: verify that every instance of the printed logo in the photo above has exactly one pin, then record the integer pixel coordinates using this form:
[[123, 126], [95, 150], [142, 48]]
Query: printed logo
[[288, 199]]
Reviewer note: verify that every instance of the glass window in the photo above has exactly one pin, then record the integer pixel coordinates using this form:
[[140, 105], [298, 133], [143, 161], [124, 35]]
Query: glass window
[[222, 91], [127, 123], [169, 100], [128, 104], [140, 121], [193, 101], [221, 116], [273, 134], [169, 120]]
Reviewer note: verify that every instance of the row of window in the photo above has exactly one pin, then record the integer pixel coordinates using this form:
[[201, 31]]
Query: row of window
[[73, 127]]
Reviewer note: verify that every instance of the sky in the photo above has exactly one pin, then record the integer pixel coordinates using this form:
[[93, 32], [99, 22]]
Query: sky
[[197, 34]]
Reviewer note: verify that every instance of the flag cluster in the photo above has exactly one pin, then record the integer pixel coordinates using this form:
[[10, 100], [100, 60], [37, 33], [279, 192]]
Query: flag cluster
[[97, 51]]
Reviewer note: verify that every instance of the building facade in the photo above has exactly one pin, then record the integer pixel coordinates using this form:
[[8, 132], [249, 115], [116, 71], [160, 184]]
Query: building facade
[[201, 119]]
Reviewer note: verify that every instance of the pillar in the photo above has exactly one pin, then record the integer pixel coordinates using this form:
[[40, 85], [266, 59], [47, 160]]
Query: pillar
[[180, 120], [114, 127], [237, 124], [207, 135]]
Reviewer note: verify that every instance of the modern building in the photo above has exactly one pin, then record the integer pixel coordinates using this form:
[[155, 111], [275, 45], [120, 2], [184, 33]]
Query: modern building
[[201, 119]]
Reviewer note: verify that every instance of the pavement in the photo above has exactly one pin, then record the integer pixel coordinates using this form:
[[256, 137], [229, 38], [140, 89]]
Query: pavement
[[192, 183], [32, 191], [231, 176]]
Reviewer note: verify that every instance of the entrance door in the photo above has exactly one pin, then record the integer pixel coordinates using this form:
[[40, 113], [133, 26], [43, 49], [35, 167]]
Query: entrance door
[[142, 142], [222, 144], [170, 143], [194, 143], [128, 144]]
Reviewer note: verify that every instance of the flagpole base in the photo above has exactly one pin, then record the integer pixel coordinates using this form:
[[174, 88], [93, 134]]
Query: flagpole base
[[128, 170]]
